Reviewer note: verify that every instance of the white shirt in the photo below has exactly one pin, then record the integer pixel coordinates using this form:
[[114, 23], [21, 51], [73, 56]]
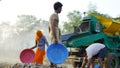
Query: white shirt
[[54, 17], [93, 49]]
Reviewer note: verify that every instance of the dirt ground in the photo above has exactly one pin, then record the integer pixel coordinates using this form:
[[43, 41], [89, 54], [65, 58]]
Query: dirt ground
[[66, 64]]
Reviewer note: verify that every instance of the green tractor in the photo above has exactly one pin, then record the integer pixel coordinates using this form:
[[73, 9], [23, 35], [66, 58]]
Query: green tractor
[[96, 28]]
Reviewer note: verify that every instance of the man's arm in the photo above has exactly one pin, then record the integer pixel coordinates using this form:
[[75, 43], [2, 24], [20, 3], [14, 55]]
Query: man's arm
[[84, 62], [88, 64]]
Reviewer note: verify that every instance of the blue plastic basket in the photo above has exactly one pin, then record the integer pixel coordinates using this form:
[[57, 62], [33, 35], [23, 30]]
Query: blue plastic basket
[[57, 53], [96, 66]]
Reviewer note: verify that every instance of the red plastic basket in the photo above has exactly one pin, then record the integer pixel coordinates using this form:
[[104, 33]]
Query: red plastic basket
[[27, 56]]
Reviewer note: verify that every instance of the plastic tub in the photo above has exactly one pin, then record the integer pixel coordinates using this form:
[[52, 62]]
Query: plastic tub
[[57, 53], [96, 66], [27, 56]]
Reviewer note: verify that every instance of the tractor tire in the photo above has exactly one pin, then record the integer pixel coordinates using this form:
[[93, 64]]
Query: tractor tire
[[111, 61]]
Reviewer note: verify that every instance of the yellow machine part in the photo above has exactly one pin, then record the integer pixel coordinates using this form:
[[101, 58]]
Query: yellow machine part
[[110, 26]]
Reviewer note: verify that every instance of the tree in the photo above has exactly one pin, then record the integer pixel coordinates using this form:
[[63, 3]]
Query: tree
[[74, 21], [117, 18], [22, 32], [93, 9], [25, 22]]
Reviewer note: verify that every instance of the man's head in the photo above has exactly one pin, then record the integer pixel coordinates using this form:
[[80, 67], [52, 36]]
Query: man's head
[[58, 7], [82, 52]]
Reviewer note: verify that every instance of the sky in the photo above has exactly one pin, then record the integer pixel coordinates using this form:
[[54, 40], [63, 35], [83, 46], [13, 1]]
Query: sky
[[10, 9]]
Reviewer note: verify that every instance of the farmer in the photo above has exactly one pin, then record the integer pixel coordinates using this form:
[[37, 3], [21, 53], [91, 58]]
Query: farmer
[[40, 42], [95, 50], [54, 30]]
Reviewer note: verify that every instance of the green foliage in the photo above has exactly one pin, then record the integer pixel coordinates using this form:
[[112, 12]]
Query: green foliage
[[91, 8], [67, 28], [74, 20], [117, 18]]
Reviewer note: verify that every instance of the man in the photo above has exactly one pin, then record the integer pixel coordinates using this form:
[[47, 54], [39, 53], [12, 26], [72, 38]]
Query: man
[[53, 25], [54, 22], [94, 50]]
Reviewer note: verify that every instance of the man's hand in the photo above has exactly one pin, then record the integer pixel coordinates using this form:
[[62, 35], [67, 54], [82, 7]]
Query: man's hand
[[55, 41]]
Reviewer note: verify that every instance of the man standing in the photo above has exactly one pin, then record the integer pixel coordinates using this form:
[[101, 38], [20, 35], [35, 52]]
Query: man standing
[[54, 23], [54, 30]]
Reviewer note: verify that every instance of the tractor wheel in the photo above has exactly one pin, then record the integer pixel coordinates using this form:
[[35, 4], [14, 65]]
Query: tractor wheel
[[111, 61]]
